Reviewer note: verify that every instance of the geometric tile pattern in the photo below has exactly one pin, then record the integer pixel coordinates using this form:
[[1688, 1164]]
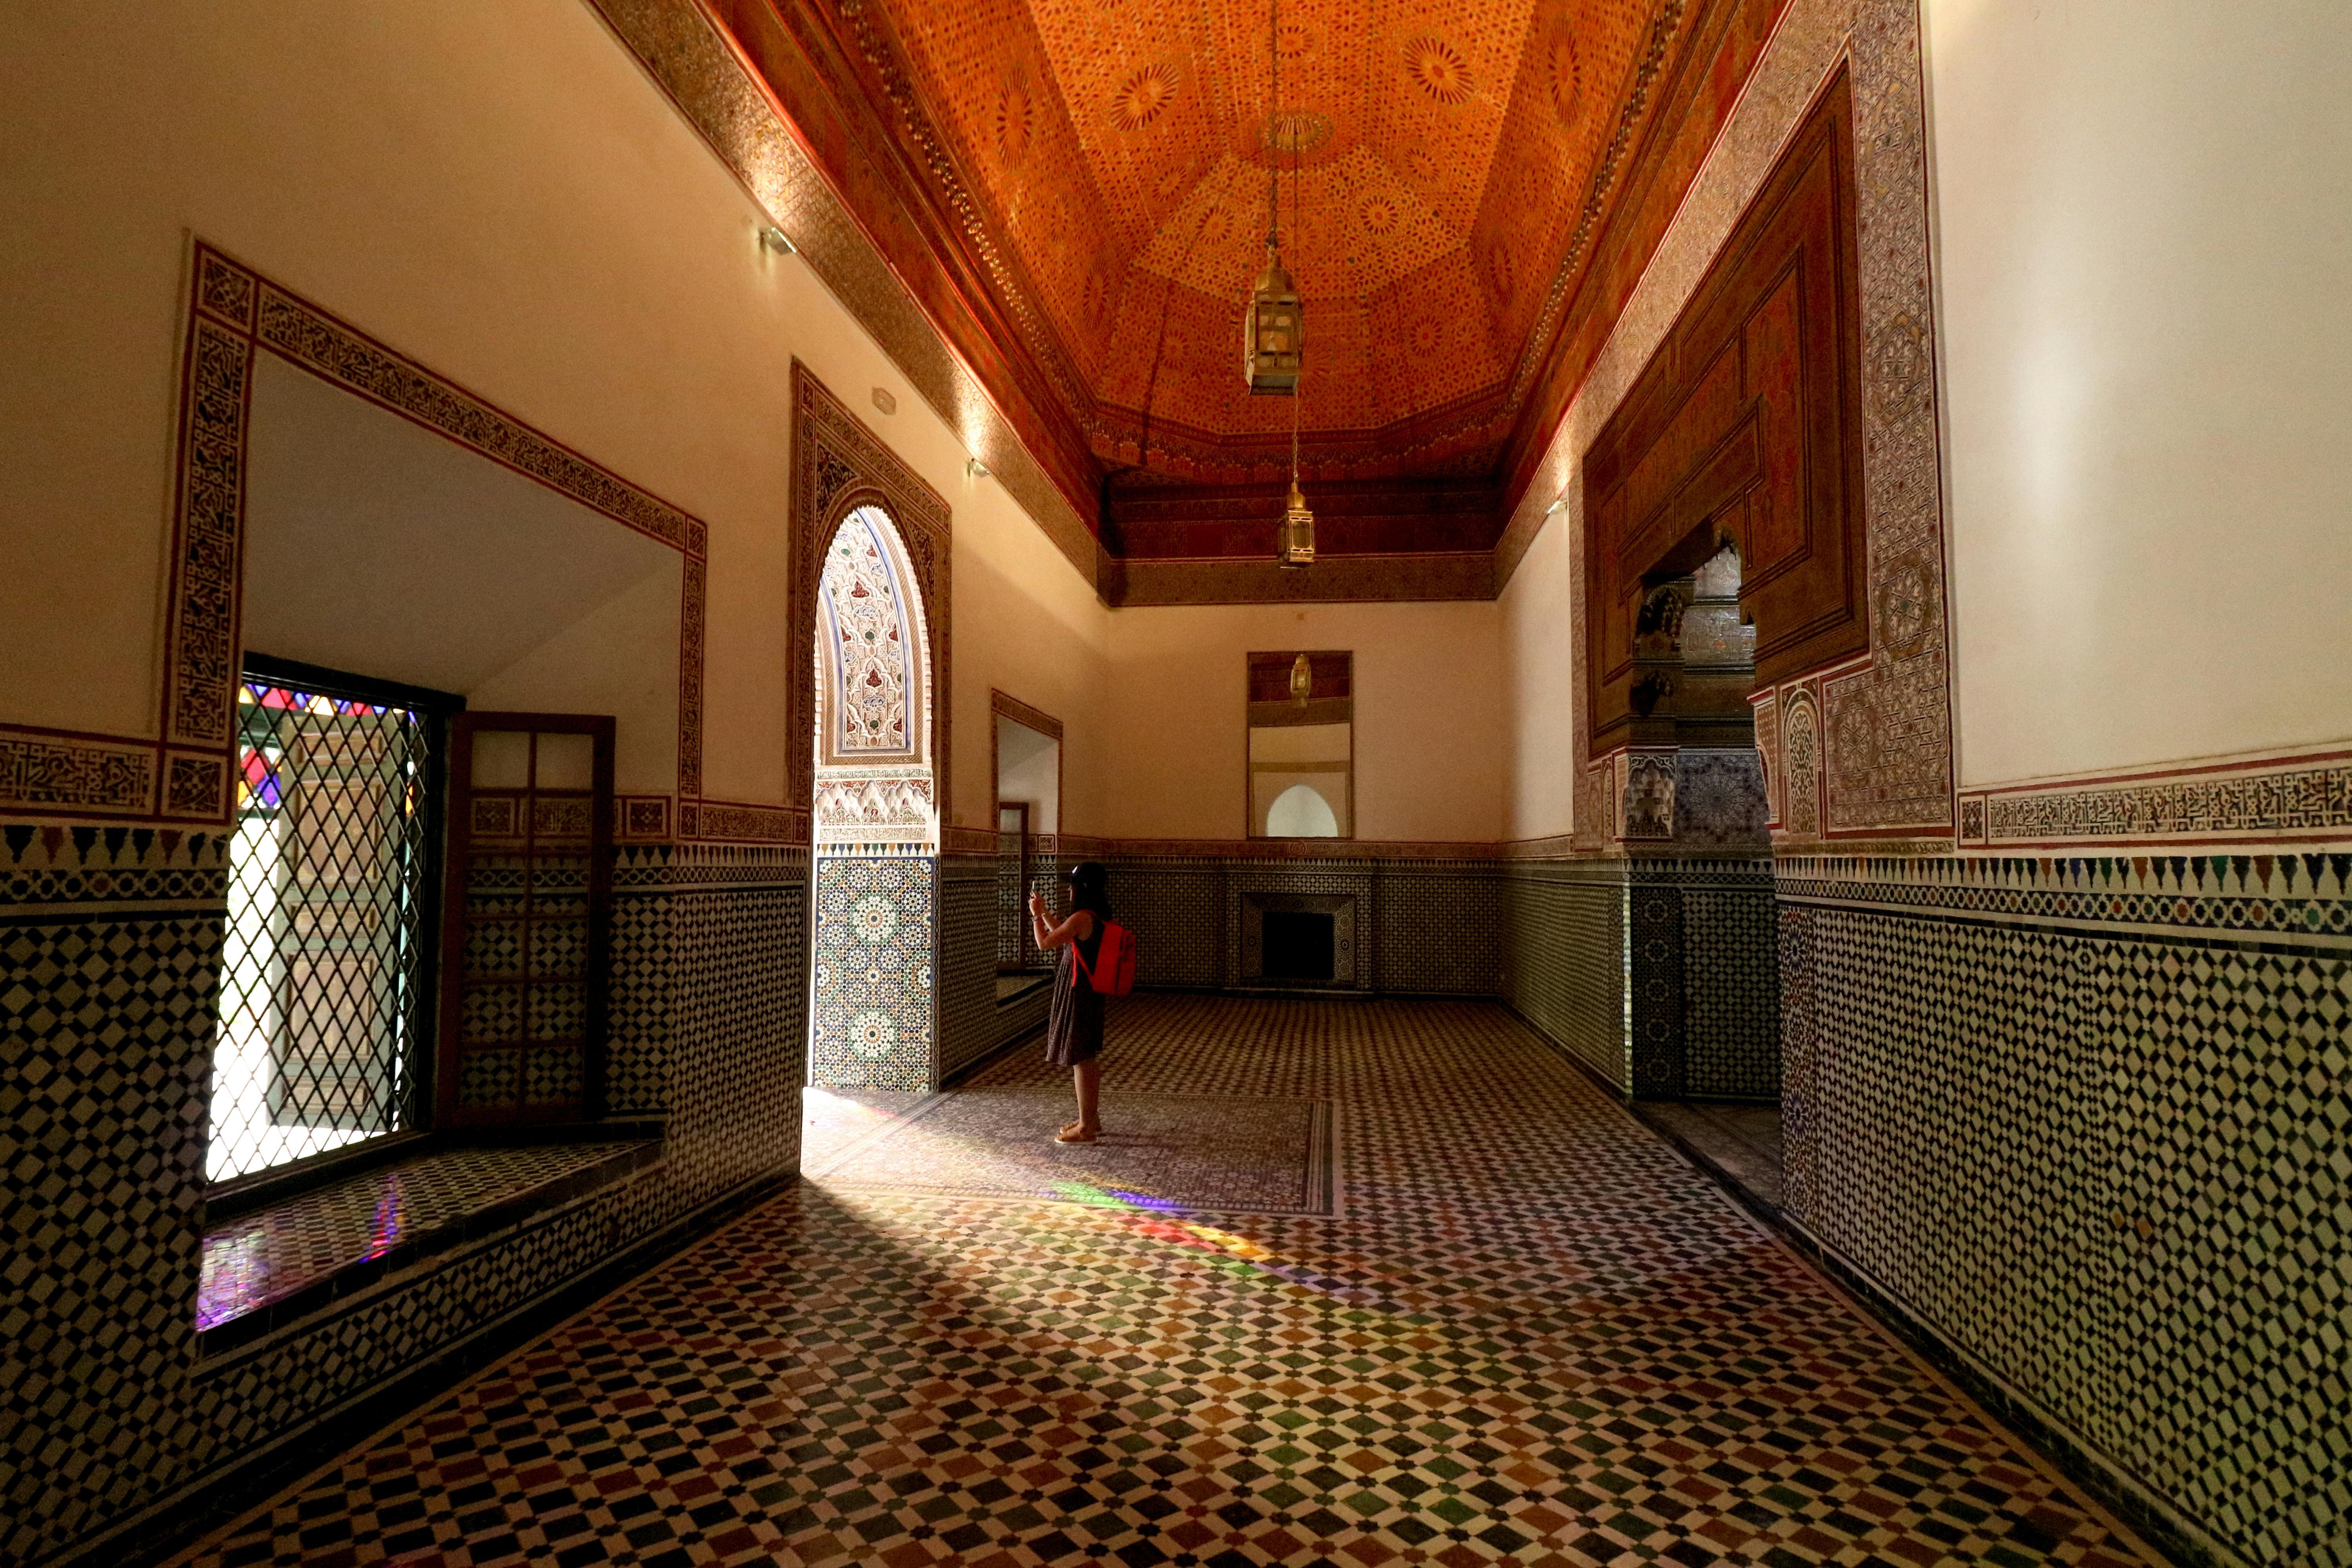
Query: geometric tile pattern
[[1536, 1336], [2226, 1081], [1564, 938], [251, 1262], [2103, 1157], [2288, 896], [1422, 944], [973, 1024], [1653, 989], [109, 1404], [1225, 1153], [877, 944], [1419, 923], [1731, 991], [105, 1033], [1659, 973]]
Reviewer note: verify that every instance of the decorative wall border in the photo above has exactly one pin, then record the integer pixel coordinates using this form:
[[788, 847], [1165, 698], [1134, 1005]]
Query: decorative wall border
[[2287, 797], [838, 466], [234, 313], [1320, 851], [742, 822], [977, 843], [2302, 899]]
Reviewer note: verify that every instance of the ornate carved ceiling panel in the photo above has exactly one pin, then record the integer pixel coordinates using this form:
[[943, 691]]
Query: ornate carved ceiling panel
[[1122, 150], [1120, 154], [1072, 194]]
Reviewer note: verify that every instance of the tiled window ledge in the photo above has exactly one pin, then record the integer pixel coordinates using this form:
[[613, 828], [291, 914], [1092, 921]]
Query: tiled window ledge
[[267, 1268]]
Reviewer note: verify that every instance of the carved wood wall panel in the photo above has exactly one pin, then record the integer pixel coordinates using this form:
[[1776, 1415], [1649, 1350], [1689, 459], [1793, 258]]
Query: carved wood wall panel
[[1745, 426]]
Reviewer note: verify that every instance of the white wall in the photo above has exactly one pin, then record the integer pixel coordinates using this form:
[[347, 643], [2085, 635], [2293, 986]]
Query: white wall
[[2144, 249], [1539, 675], [494, 190], [1428, 716]]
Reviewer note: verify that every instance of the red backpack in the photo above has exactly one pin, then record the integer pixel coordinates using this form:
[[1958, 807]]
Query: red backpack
[[1113, 974]]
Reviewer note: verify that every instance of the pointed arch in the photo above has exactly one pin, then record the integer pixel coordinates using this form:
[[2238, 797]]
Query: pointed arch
[[840, 468], [874, 682]]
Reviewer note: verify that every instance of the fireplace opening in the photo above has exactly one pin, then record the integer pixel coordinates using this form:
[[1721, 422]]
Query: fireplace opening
[[1297, 945]]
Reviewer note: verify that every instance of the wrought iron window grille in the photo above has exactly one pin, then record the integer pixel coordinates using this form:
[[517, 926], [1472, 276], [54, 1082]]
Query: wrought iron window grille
[[330, 962]]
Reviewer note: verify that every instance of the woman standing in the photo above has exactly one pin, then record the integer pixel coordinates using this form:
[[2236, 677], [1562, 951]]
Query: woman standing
[[1074, 1029]]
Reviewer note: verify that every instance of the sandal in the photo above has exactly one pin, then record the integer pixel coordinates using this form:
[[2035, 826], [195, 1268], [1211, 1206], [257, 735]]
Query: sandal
[[1074, 1134]]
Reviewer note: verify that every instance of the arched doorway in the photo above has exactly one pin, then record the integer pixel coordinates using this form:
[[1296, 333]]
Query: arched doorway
[[873, 1013]]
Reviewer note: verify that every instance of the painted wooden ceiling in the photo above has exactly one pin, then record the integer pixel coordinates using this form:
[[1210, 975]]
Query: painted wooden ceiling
[[1123, 150], [1076, 191]]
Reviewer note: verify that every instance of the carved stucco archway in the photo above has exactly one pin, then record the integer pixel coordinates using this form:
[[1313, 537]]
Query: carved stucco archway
[[873, 734], [875, 982]]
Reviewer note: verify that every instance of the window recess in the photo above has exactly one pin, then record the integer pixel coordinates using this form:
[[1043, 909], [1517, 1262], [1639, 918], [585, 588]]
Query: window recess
[[326, 985]]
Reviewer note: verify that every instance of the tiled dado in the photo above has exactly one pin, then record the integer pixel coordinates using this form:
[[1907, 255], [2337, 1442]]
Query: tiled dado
[[279, 1265], [111, 1415], [973, 1023], [1658, 974], [1689, 1007], [1424, 925], [2086, 1117]]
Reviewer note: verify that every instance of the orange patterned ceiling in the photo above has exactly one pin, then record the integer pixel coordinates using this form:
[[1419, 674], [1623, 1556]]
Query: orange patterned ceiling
[[1118, 153]]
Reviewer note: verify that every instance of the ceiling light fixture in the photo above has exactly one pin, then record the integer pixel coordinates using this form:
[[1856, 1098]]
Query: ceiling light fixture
[[1274, 357], [1273, 327], [975, 468]]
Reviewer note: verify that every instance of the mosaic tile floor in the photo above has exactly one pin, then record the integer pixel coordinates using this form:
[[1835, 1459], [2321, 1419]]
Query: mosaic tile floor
[[271, 1255], [1233, 1153], [1537, 1337]]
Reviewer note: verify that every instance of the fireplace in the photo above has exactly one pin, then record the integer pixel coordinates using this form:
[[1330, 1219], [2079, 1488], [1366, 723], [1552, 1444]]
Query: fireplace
[[1303, 940], [1295, 944]]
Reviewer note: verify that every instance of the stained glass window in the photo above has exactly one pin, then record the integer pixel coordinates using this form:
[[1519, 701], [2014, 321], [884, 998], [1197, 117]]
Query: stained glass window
[[329, 898]]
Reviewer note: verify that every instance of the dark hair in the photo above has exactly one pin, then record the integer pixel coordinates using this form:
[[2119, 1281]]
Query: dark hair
[[1089, 887]]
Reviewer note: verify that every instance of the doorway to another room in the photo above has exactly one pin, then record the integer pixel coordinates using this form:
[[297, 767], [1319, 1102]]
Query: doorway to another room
[[873, 1013]]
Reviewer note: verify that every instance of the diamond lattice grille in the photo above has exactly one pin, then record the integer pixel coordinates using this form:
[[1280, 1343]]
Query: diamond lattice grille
[[320, 995]]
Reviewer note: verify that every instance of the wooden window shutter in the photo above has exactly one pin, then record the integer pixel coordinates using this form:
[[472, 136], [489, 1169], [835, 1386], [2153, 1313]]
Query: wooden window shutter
[[528, 935]]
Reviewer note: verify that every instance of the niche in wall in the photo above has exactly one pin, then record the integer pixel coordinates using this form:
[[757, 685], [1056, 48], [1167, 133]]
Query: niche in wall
[[375, 546], [1028, 749], [1306, 940], [1745, 429], [1302, 745]]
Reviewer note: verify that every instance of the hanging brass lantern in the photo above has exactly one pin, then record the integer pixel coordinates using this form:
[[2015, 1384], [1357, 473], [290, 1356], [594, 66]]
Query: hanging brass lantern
[[1274, 332], [1298, 530], [1302, 680]]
